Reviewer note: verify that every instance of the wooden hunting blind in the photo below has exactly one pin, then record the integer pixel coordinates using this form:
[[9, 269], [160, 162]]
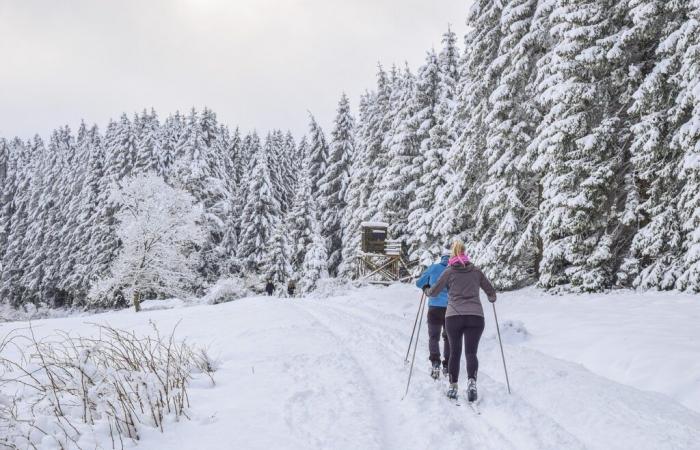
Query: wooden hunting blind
[[374, 236], [381, 260]]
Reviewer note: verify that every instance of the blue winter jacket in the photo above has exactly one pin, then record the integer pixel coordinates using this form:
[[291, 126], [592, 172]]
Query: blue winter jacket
[[430, 277]]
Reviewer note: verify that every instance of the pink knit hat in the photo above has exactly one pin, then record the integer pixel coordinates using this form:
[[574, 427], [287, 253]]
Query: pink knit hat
[[462, 259]]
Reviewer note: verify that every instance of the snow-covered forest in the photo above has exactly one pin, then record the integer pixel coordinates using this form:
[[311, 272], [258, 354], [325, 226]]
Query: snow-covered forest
[[560, 140]]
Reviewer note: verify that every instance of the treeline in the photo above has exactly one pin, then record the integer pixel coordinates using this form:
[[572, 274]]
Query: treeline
[[57, 215], [562, 144]]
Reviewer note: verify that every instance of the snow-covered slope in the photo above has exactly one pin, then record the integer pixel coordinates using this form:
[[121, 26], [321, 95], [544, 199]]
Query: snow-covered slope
[[324, 373]]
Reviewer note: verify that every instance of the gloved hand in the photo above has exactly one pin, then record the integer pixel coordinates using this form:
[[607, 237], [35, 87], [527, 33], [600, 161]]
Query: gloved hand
[[426, 288]]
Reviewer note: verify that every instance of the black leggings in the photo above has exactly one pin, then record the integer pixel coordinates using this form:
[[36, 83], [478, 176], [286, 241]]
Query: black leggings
[[468, 328]]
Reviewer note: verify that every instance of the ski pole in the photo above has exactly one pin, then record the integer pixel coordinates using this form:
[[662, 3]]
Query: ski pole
[[415, 347], [422, 299], [495, 316]]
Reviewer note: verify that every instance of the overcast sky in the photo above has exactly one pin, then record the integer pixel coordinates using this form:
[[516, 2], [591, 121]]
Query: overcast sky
[[257, 63]]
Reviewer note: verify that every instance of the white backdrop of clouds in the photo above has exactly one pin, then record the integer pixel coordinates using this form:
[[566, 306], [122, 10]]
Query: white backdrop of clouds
[[257, 63]]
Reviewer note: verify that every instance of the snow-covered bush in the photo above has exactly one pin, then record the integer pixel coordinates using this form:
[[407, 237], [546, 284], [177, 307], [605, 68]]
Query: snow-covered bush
[[332, 287], [226, 290], [160, 230], [93, 392], [315, 266]]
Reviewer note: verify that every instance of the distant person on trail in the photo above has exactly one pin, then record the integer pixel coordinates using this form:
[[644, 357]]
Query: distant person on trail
[[437, 306], [291, 286], [464, 319], [269, 287]]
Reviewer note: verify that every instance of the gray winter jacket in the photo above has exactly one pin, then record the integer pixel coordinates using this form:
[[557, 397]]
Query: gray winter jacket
[[463, 283]]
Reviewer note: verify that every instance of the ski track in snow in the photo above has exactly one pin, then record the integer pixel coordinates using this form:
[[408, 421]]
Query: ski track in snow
[[522, 427], [351, 399]]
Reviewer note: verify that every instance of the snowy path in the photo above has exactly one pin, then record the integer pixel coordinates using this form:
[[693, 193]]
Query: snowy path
[[556, 404], [329, 374], [413, 422]]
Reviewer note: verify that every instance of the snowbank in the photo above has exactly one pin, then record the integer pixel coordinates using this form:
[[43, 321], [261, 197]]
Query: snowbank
[[649, 340]]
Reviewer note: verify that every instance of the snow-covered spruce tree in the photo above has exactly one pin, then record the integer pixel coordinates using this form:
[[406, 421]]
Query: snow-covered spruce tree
[[289, 167], [397, 183], [354, 200], [318, 154], [147, 147], [104, 243], [235, 157], [335, 181], [277, 267], [433, 153], [229, 241], [687, 139], [368, 164], [653, 184], [506, 241], [160, 230], [259, 216], [47, 248], [74, 153], [281, 168], [300, 219], [295, 156], [456, 201], [373, 131], [578, 149], [315, 266], [29, 258], [302, 153], [250, 147], [73, 229], [92, 259], [170, 135], [14, 219], [395, 112]]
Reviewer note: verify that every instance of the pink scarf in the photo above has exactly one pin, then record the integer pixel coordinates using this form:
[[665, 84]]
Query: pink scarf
[[462, 259]]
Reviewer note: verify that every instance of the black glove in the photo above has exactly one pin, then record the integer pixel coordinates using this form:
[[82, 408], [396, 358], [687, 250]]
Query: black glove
[[426, 288]]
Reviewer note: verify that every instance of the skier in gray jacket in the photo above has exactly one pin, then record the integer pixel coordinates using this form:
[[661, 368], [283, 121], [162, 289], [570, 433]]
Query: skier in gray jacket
[[464, 318]]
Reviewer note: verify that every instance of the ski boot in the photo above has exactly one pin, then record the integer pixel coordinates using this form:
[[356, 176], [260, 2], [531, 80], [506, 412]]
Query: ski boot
[[435, 373], [444, 370], [471, 390], [452, 391]]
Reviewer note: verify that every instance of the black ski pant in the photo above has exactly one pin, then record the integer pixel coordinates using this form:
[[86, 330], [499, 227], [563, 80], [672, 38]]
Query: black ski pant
[[469, 329], [436, 327]]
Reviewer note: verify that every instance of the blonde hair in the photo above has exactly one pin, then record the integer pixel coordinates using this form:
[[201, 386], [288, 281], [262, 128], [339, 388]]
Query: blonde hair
[[457, 248]]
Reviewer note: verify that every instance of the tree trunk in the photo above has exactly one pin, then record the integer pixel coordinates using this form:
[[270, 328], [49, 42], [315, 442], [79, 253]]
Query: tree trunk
[[137, 301]]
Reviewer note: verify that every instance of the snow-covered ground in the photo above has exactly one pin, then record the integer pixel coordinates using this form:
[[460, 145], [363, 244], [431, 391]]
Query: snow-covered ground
[[590, 371]]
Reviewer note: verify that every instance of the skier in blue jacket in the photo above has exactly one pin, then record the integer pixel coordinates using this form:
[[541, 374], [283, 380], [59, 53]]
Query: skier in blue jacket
[[436, 315]]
